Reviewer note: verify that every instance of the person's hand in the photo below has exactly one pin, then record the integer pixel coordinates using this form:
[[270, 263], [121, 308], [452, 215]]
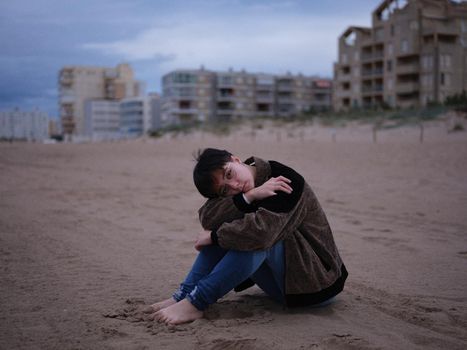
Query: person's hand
[[204, 238], [269, 188]]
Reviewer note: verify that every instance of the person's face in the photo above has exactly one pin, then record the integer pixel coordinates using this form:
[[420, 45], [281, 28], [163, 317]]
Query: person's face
[[234, 178]]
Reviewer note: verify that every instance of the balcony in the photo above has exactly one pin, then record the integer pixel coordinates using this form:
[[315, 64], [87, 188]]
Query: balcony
[[343, 93], [264, 113], [372, 72], [66, 79], [187, 111], [225, 97], [367, 89], [285, 99], [441, 28], [378, 55], [407, 87], [285, 87], [341, 77], [264, 98], [407, 68], [367, 56], [68, 99]]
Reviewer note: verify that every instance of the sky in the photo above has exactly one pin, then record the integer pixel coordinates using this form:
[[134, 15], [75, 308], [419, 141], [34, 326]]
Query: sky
[[39, 37]]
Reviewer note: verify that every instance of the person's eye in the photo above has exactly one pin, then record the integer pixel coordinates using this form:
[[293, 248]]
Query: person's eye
[[228, 174]]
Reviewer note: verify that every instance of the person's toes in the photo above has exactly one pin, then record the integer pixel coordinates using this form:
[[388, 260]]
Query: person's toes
[[160, 316]]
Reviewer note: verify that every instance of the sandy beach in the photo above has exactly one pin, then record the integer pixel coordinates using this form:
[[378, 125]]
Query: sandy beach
[[89, 233]]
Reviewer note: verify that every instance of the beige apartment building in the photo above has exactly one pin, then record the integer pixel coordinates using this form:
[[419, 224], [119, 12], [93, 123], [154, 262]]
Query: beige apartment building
[[202, 95], [80, 84], [414, 53]]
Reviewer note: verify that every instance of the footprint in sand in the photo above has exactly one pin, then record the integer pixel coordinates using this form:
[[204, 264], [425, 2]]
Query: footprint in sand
[[112, 333], [227, 344]]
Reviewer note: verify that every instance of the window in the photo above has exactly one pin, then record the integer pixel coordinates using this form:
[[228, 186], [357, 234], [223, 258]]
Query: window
[[392, 29], [445, 79], [427, 80], [356, 56], [389, 66], [404, 46], [356, 88], [356, 72], [390, 49], [350, 39], [427, 61], [445, 60], [390, 84], [414, 25], [379, 34], [344, 58]]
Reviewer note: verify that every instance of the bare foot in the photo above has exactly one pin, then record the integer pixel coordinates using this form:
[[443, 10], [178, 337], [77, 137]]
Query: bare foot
[[159, 306], [181, 312]]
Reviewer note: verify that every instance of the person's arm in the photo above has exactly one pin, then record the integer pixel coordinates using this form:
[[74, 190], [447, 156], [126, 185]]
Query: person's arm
[[266, 221], [246, 202]]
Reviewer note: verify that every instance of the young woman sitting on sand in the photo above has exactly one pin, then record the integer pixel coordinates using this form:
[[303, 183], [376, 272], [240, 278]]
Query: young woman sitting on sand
[[262, 225]]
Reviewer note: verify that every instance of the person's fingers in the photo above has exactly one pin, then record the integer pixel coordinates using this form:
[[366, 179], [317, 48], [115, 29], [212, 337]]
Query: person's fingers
[[283, 178]]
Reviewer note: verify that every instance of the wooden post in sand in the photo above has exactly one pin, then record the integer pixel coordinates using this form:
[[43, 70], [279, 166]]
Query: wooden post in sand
[[375, 130], [421, 131]]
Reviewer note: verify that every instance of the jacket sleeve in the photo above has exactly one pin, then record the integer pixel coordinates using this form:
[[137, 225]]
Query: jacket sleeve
[[261, 229], [217, 211]]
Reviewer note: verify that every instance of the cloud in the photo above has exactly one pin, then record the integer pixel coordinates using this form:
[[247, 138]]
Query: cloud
[[274, 43]]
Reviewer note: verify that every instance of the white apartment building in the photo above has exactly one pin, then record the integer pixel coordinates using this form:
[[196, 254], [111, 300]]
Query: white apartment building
[[24, 125], [102, 121], [135, 116]]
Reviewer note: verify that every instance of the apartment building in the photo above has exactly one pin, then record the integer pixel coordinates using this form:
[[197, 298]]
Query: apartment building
[[188, 96], [24, 125], [413, 54], [265, 95], [139, 115], [78, 84], [101, 121], [200, 95], [234, 95]]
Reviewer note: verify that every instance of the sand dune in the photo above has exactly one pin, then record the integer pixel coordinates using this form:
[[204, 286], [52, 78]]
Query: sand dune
[[90, 233]]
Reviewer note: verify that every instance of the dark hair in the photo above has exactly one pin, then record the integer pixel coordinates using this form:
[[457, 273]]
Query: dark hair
[[208, 161]]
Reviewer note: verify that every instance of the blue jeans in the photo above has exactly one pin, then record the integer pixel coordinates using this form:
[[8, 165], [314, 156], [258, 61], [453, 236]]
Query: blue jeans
[[217, 271]]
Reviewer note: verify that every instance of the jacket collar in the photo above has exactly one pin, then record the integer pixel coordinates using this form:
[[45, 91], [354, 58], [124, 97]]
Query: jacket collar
[[263, 170]]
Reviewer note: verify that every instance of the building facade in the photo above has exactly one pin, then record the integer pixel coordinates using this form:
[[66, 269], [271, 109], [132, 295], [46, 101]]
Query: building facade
[[24, 125], [78, 84], [101, 120], [414, 54], [188, 96], [202, 95]]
